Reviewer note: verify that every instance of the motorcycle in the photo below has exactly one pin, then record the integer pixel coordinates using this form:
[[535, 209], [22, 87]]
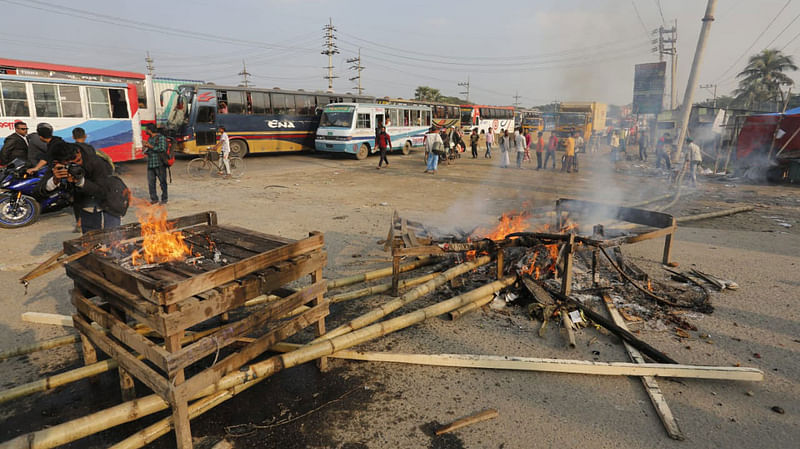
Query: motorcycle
[[18, 205]]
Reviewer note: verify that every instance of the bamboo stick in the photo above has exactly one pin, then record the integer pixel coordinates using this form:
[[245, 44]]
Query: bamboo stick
[[412, 295], [378, 274], [567, 323], [381, 288], [40, 346], [47, 318], [129, 411], [720, 213], [466, 421], [461, 311]]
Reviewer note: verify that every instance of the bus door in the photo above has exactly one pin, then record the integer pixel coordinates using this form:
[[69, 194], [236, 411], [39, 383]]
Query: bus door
[[205, 129]]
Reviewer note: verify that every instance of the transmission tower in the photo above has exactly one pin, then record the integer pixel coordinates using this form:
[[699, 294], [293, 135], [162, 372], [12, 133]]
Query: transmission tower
[[667, 45], [150, 67], [330, 49], [466, 85], [358, 68], [244, 74], [516, 99]]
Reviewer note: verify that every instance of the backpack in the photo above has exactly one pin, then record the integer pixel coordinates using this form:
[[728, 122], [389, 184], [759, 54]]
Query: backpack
[[438, 149], [168, 156], [118, 196]]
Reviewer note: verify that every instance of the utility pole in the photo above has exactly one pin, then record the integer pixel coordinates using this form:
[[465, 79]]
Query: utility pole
[[714, 87], [244, 74], [330, 49], [516, 99], [150, 67], [667, 45], [467, 86], [358, 68], [688, 97]]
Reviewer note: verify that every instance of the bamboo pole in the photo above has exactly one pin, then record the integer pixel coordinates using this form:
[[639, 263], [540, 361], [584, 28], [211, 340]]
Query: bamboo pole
[[720, 213], [469, 420], [129, 411], [378, 274], [40, 346], [412, 295], [381, 288], [461, 311]]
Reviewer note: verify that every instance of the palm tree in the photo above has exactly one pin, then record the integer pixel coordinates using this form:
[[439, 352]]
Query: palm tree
[[762, 78], [426, 93]]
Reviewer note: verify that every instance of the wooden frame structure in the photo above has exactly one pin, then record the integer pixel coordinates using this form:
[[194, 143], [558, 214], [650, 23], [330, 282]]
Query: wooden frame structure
[[175, 296]]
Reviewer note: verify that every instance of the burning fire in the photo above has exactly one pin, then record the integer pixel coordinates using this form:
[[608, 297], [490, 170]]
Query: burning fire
[[160, 243], [509, 223]]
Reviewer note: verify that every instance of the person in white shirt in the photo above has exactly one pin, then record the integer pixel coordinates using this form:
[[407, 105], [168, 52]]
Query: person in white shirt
[[519, 144], [433, 148], [225, 144], [694, 157]]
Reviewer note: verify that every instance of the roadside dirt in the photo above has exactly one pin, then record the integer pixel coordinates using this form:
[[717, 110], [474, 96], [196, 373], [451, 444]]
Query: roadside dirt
[[361, 405]]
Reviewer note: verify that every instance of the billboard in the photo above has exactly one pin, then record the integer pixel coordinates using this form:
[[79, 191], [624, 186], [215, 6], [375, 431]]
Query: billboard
[[648, 87]]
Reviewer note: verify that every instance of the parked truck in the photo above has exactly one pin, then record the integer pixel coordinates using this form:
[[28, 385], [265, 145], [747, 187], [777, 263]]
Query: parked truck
[[582, 117]]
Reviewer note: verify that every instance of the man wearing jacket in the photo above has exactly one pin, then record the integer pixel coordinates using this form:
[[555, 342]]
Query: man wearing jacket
[[384, 143], [15, 145], [155, 146]]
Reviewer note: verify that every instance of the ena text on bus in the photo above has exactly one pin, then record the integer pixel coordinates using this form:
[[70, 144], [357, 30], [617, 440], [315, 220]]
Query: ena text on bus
[[351, 127]]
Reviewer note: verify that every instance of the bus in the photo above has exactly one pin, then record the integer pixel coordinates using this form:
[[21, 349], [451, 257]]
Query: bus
[[485, 117], [443, 115], [350, 127], [256, 120], [103, 102]]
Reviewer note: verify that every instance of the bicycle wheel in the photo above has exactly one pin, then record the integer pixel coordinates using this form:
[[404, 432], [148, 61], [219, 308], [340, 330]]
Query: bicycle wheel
[[237, 167], [197, 167]]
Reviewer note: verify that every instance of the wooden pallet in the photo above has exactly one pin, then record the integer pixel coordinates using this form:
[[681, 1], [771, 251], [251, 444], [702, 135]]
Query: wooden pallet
[[176, 296]]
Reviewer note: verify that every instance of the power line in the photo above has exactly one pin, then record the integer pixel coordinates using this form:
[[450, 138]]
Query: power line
[[330, 49], [754, 41], [638, 16], [783, 30], [358, 68], [661, 12]]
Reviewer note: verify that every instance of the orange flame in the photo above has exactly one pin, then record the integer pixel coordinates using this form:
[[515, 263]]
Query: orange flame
[[471, 254], [649, 285], [160, 243], [509, 223]]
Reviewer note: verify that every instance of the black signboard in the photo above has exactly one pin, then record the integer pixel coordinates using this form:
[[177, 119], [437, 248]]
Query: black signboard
[[648, 87]]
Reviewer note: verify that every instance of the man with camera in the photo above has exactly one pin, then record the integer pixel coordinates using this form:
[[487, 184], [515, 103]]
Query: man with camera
[[85, 176], [156, 150]]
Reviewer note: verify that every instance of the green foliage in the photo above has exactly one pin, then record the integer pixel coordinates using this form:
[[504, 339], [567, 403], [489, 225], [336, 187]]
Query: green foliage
[[762, 79]]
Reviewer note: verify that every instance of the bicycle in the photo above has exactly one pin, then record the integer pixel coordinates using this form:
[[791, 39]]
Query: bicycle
[[212, 162]]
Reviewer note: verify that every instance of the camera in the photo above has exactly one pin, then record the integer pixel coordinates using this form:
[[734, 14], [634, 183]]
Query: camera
[[76, 171]]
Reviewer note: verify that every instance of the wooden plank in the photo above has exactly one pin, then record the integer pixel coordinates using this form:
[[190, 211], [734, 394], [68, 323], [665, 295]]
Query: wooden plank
[[567, 323], [432, 250], [227, 335], [539, 294], [319, 299], [629, 214], [47, 318], [121, 331], [254, 349], [236, 294], [136, 367], [560, 366], [180, 419], [484, 415], [132, 230], [566, 279], [171, 294], [254, 233], [650, 384], [650, 235], [104, 287]]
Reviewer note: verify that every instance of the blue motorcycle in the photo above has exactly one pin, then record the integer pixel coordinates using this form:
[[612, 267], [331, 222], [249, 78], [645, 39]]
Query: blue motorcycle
[[18, 205]]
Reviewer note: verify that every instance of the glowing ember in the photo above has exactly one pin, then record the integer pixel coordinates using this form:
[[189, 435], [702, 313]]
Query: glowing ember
[[649, 285], [160, 243], [471, 254]]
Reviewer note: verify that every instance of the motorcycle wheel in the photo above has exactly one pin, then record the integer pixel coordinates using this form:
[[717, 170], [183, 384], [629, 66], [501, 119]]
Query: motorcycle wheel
[[18, 213]]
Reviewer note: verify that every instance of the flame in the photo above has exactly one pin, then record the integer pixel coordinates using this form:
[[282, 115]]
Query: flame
[[649, 285], [471, 254], [510, 223], [160, 243]]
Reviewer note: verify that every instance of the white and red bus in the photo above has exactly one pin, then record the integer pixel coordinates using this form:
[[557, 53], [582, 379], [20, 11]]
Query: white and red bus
[[484, 117]]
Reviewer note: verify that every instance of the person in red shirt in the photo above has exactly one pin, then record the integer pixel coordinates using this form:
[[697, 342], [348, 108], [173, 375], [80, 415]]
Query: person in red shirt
[[539, 150], [551, 150], [384, 143], [528, 140]]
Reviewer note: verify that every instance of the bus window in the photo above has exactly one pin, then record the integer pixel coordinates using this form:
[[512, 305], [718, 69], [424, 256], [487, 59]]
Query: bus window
[[14, 99], [236, 103], [362, 121], [323, 101], [406, 117], [70, 101], [282, 104], [415, 118], [426, 118], [205, 114], [394, 117], [261, 104], [119, 107], [304, 104], [141, 94], [98, 102], [45, 100]]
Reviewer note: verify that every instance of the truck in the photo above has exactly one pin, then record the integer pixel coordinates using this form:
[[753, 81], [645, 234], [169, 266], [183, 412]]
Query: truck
[[583, 117]]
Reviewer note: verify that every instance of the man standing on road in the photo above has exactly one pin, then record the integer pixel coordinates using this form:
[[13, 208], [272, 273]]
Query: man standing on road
[[644, 144], [662, 151], [433, 148], [570, 154], [224, 144], [519, 144], [16, 145], [694, 157], [489, 142], [155, 146], [473, 142], [539, 150], [384, 143], [551, 150]]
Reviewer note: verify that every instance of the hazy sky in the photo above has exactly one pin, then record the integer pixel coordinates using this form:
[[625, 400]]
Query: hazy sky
[[542, 50]]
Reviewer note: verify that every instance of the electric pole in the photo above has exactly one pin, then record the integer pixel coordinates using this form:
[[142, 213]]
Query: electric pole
[[714, 87], [688, 97], [358, 68], [150, 67], [466, 85], [244, 74], [330, 49], [667, 45], [516, 99]]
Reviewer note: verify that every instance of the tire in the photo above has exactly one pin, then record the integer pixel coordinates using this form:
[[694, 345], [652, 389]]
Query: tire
[[18, 214], [197, 168], [407, 148], [363, 152], [237, 167], [239, 148]]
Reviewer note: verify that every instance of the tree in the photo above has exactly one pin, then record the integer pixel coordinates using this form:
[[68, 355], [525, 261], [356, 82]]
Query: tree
[[425, 93], [762, 78]]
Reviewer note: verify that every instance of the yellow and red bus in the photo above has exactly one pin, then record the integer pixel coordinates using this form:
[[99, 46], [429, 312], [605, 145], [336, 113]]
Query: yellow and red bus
[[484, 117]]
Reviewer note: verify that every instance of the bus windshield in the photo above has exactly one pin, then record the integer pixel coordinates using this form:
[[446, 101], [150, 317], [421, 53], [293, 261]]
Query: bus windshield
[[337, 117], [572, 119]]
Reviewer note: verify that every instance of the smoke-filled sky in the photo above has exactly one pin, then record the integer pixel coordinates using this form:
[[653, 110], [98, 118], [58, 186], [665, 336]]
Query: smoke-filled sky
[[540, 50]]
